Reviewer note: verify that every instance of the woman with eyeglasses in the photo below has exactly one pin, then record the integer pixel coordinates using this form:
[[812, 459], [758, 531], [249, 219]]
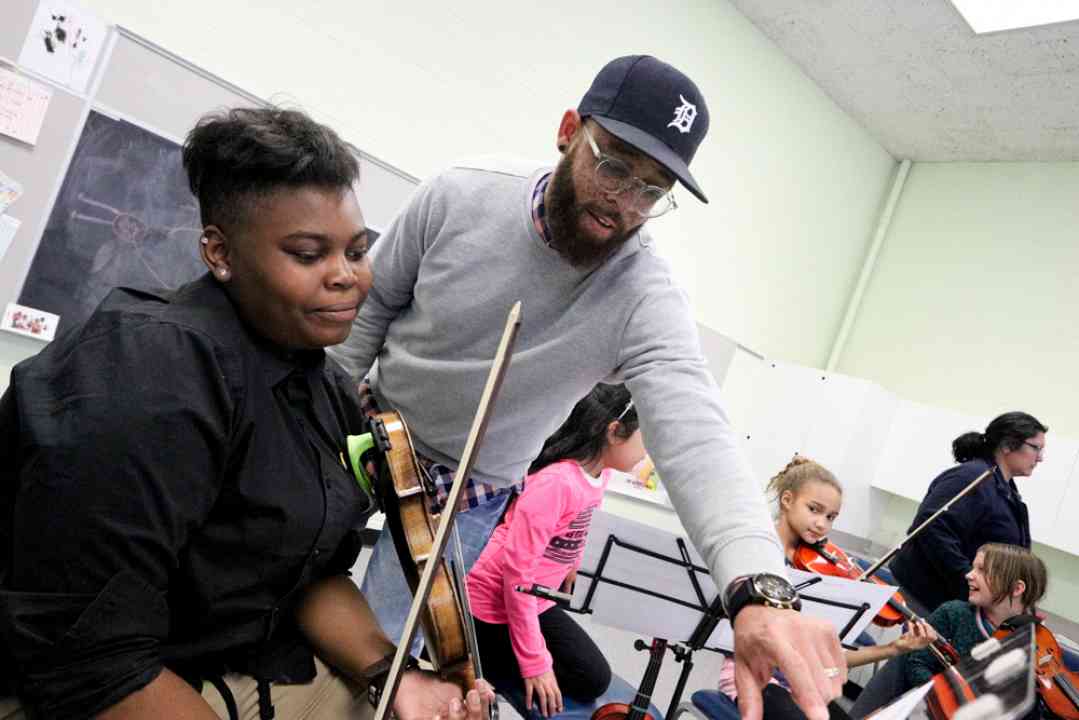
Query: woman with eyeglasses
[[933, 566], [531, 642]]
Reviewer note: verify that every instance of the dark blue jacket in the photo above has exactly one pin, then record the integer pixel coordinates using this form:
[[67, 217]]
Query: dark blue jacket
[[932, 566]]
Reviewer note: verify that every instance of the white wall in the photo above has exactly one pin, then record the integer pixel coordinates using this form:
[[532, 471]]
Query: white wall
[[973, 307], [795, 184], [973, 303]]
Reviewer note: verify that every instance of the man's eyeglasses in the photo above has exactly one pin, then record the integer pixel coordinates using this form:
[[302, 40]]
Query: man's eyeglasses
[[613, 176], [1036, 448]]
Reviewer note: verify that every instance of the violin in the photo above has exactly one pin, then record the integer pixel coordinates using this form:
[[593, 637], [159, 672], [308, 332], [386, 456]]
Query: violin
[[1057, 686], [638, 709], [950, 692], [420, 537], [405, 493], [824, 558]]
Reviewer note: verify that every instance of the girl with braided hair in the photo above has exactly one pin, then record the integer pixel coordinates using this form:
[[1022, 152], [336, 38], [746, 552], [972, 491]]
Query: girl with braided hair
[[808, 499]]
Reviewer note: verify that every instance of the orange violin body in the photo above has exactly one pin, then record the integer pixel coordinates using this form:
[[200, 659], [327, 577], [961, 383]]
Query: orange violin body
[[617, 711], [1056, 684], [949, 693], [638, 709], [824, 558]]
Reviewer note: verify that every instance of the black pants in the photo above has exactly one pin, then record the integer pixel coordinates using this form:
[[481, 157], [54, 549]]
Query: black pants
[[779, 705], [580, 668]]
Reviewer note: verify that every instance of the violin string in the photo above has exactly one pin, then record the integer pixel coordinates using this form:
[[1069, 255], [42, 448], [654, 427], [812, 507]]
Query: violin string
[[458, 565]]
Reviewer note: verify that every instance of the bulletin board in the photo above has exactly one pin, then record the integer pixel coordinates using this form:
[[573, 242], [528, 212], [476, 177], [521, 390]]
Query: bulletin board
[[104, 199]]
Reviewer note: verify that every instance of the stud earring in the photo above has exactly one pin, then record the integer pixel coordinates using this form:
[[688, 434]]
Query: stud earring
[[204, 240], [223, 273]]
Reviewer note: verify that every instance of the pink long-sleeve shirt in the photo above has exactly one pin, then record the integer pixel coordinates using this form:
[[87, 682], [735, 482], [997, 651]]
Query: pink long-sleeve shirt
[[540, 541]]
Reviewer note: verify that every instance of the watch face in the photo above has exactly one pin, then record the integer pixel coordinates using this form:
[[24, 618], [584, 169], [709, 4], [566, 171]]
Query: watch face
[[775, 587]]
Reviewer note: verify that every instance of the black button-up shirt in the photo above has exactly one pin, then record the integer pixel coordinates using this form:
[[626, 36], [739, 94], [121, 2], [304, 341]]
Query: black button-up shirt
[[169, 483]]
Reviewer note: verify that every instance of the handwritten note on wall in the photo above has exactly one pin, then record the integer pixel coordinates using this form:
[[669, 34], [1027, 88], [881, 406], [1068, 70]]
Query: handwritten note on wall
[[23, 103]]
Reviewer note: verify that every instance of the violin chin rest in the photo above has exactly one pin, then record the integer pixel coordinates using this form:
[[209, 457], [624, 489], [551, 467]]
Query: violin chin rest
[[986, 707]]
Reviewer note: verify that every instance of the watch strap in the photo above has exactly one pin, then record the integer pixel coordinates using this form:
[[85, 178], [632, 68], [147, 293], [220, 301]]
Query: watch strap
[[376, 674]]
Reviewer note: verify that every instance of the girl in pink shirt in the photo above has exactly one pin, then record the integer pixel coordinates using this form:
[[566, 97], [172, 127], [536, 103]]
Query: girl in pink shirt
[[524, 640]]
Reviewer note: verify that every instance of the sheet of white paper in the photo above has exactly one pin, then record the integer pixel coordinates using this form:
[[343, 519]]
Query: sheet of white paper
[[8, 227], [626, 484], [63, 43], [10, 190], [675, 618], [23, 103], [816, 600], [904, 706]]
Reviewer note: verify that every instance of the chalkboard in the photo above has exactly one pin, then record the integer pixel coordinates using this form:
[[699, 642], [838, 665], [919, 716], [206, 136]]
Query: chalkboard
[[124, 216]]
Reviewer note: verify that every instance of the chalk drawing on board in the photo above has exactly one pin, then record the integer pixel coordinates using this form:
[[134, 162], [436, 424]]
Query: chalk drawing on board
[[124, 216]]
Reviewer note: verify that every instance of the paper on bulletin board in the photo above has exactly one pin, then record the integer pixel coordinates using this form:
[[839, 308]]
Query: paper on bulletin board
[[8, 227], [10, 190], [23, 103], [63, 43]]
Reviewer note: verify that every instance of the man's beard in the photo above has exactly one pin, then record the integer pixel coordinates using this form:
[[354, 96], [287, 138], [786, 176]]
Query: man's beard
[[563, 219]]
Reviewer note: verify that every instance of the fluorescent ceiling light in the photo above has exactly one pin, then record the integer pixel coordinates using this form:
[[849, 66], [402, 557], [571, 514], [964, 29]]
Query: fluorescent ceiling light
[[986, 16]]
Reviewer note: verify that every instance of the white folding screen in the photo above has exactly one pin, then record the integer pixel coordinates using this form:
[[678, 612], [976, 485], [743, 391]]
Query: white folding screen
[[873, 440]]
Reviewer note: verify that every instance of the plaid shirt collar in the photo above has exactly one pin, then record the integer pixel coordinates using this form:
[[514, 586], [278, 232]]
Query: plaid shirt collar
[[539, 209]]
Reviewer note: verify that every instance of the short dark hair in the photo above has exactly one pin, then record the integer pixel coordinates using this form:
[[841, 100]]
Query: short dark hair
[[1005, 432], [583, 436], [235, 157]]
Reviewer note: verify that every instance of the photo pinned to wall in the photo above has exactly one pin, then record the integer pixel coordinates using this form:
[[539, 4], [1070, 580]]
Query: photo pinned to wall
[[10, 190], [29, 321], [124, 217], [64, 42], [642, 482]]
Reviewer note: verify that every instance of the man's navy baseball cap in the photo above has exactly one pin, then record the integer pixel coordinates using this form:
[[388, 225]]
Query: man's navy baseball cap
[[653, 107]]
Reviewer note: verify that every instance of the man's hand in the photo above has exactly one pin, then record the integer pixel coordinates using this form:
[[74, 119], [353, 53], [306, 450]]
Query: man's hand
[[802, 647], [548, 695], [425, 696]]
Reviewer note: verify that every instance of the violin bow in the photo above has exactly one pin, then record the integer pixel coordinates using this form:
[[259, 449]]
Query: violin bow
[[449, 513], [872, 569]]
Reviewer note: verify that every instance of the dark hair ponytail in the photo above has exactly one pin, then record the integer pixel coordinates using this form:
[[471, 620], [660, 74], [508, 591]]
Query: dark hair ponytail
[[1006, 432], [583, 435]]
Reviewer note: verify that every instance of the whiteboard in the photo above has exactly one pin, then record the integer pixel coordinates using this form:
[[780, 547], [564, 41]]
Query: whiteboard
[[919, 447], [849, 426]]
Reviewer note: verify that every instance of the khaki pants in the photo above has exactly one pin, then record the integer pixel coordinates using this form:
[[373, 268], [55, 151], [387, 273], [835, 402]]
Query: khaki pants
[[327, 696]]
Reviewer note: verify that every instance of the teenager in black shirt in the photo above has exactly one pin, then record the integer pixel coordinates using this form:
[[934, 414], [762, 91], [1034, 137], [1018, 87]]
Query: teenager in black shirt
[[176, 504]]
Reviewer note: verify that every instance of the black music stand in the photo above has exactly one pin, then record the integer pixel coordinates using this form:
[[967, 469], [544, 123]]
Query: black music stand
[[664, 567]]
